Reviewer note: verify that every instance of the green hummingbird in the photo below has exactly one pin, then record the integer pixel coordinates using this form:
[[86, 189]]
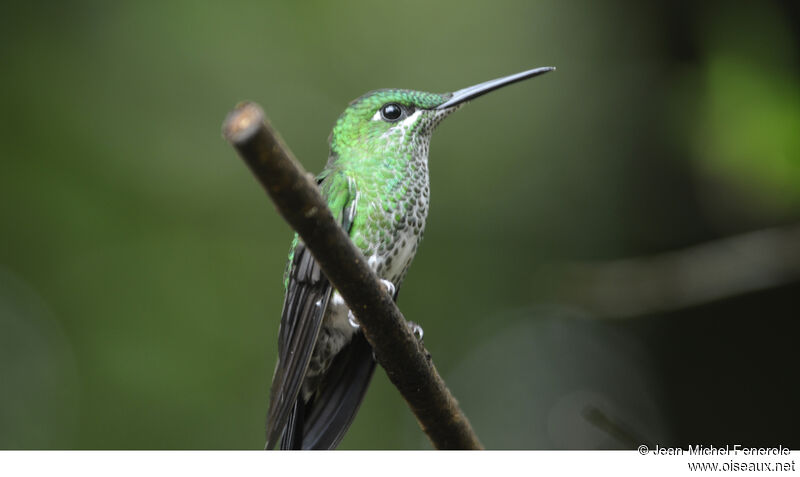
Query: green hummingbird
[[376, 184]]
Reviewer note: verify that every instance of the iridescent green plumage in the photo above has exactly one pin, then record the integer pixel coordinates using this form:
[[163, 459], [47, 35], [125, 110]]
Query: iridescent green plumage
[[354, 134], [386, 165]]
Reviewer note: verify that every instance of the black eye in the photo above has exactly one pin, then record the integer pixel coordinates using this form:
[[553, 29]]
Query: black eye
[[391, 112]]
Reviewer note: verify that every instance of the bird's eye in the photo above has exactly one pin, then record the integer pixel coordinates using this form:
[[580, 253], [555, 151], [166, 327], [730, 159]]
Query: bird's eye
[[391, 112]]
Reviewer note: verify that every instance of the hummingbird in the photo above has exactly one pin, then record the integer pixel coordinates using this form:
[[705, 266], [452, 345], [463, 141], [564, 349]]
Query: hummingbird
[[376, 184]]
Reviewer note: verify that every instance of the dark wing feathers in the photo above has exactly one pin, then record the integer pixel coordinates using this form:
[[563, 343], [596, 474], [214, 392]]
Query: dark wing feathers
[[291, 438], [321, 422], [307, 297]]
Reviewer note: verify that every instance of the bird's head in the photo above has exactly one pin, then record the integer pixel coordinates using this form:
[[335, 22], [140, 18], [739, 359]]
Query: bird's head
[[389, 119]]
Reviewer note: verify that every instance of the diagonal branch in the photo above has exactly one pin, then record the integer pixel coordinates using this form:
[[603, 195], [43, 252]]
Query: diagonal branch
[[397, 350]]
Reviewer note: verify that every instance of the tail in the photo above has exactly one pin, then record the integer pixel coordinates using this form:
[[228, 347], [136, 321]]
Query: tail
[[321, 422]]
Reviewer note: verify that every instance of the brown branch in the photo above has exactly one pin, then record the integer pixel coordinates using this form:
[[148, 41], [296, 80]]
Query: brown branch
[[397, 350]]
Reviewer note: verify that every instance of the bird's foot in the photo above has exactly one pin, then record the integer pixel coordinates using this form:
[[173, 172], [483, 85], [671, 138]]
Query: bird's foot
[[351, 318], [416, 330], [390, 288]]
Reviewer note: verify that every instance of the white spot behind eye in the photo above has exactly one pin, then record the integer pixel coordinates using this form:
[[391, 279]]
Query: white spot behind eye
[[403, 126], [411, 119]]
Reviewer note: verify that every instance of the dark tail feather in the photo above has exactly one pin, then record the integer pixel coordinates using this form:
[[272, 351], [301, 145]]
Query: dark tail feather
[[340, 394], [321, 423]]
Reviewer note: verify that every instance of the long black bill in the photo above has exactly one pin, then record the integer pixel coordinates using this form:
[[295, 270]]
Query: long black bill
[[473, 92]]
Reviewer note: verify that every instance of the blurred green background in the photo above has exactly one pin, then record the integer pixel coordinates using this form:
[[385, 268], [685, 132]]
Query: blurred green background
[[141, 263]]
